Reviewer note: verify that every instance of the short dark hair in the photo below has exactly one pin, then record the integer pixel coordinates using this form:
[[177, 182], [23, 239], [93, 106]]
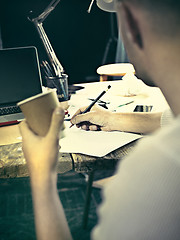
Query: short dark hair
[[164, 14], [156, 4]]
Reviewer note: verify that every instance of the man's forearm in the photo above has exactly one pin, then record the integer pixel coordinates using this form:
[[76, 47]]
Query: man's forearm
[[50, 219], [136, 122]]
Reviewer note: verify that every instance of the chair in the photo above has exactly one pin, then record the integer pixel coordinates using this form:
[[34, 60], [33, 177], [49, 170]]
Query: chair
[[114, 70]]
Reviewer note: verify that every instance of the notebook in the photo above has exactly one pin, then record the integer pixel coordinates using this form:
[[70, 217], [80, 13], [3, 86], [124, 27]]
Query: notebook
[[20, 78]]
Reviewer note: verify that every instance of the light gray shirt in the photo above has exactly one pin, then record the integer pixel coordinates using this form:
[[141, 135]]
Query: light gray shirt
[[167, 117], [142, 202]]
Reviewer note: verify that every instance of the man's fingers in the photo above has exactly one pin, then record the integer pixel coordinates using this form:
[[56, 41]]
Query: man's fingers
[[85, 127], [88, 126], [82, 109], [24, 130], [85, 117], [94, 128], [56, 123], [79, 111]]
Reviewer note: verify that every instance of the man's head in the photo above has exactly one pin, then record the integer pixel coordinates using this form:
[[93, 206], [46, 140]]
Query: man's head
[[165, 12], [149, 28]]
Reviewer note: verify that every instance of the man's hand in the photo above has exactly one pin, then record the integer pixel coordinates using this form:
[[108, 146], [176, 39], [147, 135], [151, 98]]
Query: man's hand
[[101, 119], [97, 119], [41, 153]]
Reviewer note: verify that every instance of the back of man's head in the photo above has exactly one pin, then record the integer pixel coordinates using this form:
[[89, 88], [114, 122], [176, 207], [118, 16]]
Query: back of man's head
[[163, 14]]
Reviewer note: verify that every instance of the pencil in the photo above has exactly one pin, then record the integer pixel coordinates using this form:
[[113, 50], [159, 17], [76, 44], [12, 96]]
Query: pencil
[[94, 102]]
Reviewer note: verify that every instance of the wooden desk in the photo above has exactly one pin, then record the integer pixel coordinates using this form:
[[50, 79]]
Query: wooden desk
[[84, 163], [13, 164], [89, 164]]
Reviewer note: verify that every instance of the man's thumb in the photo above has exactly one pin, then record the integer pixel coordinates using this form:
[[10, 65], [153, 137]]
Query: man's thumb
[[56, 122]]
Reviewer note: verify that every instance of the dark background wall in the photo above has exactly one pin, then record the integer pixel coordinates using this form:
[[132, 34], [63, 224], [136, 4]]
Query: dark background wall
[[78, 38]]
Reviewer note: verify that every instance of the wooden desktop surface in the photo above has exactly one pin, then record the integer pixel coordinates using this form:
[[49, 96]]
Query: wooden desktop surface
[[13, 164]]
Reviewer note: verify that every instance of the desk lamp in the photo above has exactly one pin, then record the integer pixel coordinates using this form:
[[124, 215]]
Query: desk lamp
[[54, 71], [105, 5]]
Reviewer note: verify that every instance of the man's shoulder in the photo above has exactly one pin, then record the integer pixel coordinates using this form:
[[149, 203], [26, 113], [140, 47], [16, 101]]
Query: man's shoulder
[[167, 139], [161, 149]]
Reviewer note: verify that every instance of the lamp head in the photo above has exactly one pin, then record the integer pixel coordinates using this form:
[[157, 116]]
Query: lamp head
[[106, 5]]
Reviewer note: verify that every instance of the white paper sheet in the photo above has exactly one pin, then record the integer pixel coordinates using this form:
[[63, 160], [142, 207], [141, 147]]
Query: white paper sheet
[[94, 143]]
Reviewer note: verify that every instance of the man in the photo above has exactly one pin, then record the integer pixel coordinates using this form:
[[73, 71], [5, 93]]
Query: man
[[142, 201]]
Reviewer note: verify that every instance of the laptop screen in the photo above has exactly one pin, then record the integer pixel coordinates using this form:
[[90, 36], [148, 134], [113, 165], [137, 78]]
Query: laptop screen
[[20, 76]]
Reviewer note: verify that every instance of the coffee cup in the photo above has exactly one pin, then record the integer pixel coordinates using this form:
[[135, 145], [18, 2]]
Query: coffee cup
[[38, 111]]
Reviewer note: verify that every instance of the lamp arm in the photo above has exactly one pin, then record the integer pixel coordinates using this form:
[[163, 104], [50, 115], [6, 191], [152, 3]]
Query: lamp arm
[[57, 67], [38, 22], [46, 12]]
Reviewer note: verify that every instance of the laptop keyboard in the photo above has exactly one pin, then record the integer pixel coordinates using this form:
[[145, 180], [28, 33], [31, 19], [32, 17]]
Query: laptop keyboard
[[9, 110]]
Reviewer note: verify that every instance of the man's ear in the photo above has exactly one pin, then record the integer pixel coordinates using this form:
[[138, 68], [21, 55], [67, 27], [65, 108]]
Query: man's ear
[[133, 32]]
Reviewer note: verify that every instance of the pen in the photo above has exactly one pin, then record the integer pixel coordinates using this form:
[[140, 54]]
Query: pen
[[95, 100], [47, 69], [125, 104]]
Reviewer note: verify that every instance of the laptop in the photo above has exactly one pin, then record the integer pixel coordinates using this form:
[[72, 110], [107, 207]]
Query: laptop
[[20, 78]]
